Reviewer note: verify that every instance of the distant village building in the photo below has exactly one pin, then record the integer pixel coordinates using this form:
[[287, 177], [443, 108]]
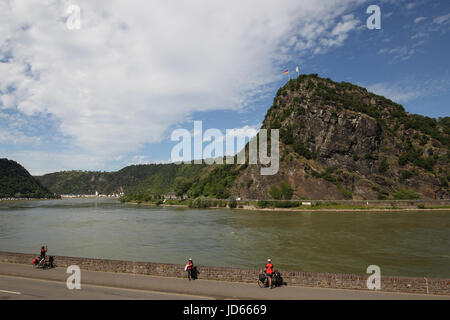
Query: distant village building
[[173, 196], [170, 196]]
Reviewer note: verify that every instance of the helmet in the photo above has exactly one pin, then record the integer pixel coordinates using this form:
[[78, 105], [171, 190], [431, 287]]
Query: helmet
[[190, 259], [268, 260]]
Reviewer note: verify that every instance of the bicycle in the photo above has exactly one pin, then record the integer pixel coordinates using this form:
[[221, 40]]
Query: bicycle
[[42, 262], [277, 280]]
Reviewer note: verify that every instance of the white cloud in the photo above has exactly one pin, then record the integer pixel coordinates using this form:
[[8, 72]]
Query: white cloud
[[398, 53], [139, 159], [341, 30], [409, 89], [248, 131], [445, 19], [419, 35], [419, 19], [411, 5], [13, 136], [42, 162], [387, 15], [394, 92], [135, 69]]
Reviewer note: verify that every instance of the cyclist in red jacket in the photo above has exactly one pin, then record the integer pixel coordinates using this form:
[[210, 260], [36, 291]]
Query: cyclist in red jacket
[[42, 256], [189, 268], [269, 271]]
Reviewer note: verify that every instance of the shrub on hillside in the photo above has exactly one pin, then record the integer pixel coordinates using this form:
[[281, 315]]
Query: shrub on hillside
[[232, 203], [383, 167], [283, 191], [405, 194]]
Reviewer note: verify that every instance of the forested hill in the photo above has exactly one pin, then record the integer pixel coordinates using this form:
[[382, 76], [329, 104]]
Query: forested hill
[[16, 182], [153, 179]]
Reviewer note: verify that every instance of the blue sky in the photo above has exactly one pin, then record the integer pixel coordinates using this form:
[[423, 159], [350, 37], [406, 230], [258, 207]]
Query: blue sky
[[110, 94]]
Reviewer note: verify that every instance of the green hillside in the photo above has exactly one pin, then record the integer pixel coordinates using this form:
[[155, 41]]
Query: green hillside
[[153, 179], [16, 182]]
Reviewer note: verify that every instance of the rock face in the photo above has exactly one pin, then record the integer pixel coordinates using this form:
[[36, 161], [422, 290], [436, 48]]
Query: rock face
[[336, 138], [339, 141]]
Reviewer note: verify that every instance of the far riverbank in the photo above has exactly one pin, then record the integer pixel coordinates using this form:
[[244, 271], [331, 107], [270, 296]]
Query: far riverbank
[[310, 206]]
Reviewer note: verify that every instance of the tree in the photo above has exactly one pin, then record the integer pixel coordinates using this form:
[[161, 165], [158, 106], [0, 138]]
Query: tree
[[232, 203], [302, 149], [275, 192], [286, 190], [181, 185], [287, 135]]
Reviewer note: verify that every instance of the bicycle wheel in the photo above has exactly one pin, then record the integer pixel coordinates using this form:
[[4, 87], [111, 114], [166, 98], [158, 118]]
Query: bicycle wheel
[[261, 284]]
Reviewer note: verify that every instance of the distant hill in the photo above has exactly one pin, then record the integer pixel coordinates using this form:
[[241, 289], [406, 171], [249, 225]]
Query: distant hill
[[337, 141], [16, 182], [148, 178]]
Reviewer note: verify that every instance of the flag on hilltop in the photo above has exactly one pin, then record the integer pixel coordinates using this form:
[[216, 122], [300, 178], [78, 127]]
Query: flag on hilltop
[[286, 72], [296, 69]]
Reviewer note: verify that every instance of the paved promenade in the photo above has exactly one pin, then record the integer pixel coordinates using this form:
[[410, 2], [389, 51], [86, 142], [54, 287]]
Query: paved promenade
[[19, 281]]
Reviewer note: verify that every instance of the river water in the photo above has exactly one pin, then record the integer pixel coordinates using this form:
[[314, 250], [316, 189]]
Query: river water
[[400, 243]]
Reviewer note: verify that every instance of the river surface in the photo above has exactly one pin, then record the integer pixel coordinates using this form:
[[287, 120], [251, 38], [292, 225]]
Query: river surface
[[400, 243]]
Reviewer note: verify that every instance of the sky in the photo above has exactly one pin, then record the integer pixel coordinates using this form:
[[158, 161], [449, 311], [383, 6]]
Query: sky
[[109, 91]]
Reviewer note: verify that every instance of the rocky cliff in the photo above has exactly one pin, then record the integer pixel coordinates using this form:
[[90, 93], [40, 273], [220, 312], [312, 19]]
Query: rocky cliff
[[339, 141]]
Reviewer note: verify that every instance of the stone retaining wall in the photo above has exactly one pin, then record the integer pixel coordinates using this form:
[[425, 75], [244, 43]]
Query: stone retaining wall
[[401, 204], [307, 279]]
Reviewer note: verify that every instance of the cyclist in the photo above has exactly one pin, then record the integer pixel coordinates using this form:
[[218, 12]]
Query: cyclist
[[42, 256], [269, 271], [189, 268]]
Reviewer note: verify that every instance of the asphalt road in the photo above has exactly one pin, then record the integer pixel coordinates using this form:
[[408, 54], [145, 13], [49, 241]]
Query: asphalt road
[[16, 288], [18, 281]]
